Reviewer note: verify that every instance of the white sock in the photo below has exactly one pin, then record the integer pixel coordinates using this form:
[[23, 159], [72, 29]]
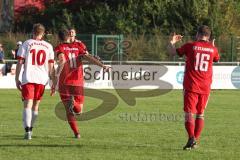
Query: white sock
[[34, 117], [27, 117]]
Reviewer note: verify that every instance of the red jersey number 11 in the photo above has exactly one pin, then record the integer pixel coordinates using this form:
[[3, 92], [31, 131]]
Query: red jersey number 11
[[202, 62], [72, 59]]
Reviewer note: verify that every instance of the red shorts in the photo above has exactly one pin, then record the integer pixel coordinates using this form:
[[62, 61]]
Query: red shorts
[[32, 91], [194, 102], [67, 92]]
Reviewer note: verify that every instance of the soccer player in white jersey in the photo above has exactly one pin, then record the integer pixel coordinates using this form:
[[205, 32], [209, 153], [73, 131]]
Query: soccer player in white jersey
[[36, 59]]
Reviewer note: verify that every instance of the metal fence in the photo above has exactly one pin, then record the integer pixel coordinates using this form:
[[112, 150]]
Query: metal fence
[[151, 47], [143, 47]]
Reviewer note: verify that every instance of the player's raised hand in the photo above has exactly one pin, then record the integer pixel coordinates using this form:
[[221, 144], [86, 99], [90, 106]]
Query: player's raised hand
[[213, 42], [18, 84], [174, 38]]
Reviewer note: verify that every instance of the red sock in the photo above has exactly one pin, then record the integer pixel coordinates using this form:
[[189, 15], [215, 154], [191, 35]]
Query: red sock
[[71, 119], [73, 123], [199, 124], [189, 125]]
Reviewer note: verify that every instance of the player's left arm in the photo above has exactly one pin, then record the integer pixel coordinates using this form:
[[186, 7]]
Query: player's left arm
[[216, 57], [52, 78], [18, 70], [51, 70], [21, 54], [95, 61]]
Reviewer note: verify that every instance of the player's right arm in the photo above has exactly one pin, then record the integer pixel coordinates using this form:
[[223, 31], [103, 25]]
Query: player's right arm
[[174, 38], [18, 70], [55, 74], [61, 60], [216, 57], [21, 54]]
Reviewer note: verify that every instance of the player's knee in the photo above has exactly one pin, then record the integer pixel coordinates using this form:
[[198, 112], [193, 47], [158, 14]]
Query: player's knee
[[28, 103], [78, 109], [35, 108], [188, 116]]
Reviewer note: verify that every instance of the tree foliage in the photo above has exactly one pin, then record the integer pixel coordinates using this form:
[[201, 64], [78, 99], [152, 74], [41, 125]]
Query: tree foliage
[[135, 16]]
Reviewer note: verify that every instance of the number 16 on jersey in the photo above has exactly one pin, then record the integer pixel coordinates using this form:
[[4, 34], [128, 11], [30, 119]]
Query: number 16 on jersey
[[202, 62]]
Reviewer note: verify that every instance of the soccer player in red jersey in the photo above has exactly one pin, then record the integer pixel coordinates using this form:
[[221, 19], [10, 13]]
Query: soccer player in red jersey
[[70, 76], [72, 35], [72, 38], [37, 58], [200, 56]]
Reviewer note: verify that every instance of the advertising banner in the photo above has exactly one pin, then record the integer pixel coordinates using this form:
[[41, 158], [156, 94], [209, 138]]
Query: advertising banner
[[142, 77]]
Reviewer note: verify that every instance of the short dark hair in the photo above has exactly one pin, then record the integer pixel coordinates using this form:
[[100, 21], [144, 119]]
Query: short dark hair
[[204, 30], [62, 34], [38, 28], [72, 28]]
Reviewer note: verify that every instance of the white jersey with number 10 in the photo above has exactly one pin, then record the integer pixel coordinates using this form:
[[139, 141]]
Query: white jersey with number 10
[[36, 55]]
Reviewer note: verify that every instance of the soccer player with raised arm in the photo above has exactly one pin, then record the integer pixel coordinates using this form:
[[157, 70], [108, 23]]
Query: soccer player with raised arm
[[73, 39], [199, 56], [36, 59], [72, 35], [70, 76]]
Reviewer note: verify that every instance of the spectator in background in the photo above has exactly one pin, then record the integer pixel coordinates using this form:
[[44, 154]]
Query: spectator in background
[[14, 52], [1, 54], [9, 64]]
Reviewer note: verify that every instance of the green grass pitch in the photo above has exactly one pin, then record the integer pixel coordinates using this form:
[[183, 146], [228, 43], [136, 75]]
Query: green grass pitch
[[125, 133]]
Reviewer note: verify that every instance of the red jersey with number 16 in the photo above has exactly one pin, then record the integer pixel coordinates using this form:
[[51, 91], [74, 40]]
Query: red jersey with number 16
[[72, 72], [200, 56]]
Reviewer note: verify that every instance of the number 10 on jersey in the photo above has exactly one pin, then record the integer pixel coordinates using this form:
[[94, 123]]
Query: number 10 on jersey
[[38, 56]]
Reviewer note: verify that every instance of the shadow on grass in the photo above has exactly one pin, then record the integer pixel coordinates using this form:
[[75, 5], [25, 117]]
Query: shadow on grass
[[91, 146], [13, 137], [41, 145], [115, 146], [20, 137]]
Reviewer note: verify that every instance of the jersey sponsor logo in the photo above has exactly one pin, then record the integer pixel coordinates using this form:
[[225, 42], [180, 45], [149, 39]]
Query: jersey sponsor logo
[[211, 50], [235, 77], [70, 49], [38, 44]]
